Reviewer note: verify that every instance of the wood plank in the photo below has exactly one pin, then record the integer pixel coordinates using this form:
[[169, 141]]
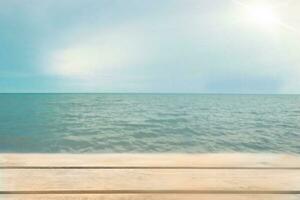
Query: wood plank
[[149, 160], [135, 180], [150, 197]]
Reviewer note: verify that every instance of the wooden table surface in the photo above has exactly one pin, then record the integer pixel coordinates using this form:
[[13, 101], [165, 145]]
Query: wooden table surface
[[149, 176]]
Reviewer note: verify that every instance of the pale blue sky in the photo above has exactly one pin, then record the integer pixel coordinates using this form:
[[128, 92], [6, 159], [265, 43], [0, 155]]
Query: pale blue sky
[[202, 46]]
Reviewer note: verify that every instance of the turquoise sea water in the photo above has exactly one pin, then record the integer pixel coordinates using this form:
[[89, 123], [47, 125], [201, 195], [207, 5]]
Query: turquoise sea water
[[151, 123]]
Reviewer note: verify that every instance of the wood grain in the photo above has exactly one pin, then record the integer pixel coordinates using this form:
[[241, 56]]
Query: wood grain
[[149, 176], [149, 160], [150, 197], [149, 179]]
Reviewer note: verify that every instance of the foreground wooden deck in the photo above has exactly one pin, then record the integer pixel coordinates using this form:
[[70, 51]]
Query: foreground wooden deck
[[149, 177]]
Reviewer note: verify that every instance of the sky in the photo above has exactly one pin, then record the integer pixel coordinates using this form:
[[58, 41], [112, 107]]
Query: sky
[[172, 46]]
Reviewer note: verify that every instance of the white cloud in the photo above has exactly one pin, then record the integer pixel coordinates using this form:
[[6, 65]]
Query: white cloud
[[217, 45], [93, 54]]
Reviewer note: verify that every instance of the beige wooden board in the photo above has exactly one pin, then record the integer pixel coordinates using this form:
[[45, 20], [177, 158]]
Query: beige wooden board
[[150, 197], [149, 160], [149, 179], [149, 176]]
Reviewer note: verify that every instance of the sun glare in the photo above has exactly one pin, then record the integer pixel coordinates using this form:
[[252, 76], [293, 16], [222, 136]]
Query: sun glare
[[262, 15]]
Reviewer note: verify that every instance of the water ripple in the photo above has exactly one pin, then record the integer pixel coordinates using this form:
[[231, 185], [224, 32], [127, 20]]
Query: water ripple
[[77, 123]]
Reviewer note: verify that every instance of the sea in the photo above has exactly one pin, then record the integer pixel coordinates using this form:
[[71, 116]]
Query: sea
[[149, 123]]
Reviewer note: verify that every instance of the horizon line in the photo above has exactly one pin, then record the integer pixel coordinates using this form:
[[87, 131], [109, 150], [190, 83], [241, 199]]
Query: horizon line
[[161, 93]]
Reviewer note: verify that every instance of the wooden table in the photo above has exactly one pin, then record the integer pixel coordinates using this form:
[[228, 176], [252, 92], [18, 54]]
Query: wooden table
[[149, 176]]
